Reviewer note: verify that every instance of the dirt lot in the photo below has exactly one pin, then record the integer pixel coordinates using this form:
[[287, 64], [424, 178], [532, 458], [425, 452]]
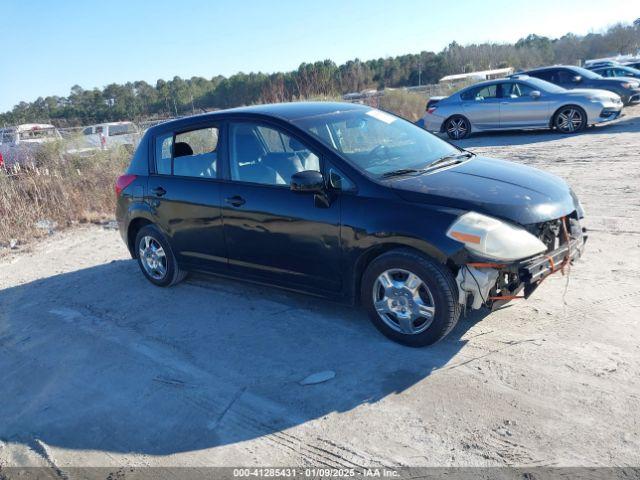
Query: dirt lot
[[98, 367]]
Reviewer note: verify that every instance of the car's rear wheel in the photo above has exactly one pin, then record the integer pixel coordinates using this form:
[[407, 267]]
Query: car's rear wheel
[[410, 298], [156, 259], [457, 127], [570, 119]]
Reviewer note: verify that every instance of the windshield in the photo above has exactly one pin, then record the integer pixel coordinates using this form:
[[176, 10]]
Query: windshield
[[121, 129], [583, 72], [543, 85], [376, 142], [37, 133]]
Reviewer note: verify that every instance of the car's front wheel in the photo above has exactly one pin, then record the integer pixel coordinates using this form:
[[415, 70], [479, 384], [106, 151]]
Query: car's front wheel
[[410, 298], [570, 119], [156, 259]]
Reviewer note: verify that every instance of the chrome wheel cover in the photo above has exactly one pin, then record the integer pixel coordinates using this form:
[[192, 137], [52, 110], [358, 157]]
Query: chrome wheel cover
[[457, 127], [569, 120], [153, 258], [403, 301]]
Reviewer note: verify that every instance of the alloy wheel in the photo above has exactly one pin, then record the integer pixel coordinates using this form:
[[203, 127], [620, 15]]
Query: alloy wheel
[[457, 127], [153, 257], [403, 301], [569, 120]]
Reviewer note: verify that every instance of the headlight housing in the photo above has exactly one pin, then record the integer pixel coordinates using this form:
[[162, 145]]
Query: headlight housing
[[630, 85], [494, 239]]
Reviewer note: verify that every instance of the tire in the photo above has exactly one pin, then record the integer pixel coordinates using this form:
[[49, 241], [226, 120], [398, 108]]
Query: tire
[[457, 127], [569, 119], [167, 271], [439, 295]]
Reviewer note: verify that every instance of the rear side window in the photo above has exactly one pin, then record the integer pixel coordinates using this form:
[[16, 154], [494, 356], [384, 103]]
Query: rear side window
[[188, 154], [481, 93]]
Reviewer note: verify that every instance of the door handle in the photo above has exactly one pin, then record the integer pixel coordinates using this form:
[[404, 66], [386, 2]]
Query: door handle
[[159, 191], [235, 201]]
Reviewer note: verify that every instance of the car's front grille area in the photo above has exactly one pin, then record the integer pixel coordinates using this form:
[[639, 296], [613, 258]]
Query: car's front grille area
[[551, 232]]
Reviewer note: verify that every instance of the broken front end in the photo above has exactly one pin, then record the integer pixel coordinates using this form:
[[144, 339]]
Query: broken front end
[[548, 247]]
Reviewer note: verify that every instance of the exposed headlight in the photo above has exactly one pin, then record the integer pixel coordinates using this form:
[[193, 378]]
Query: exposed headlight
[[493, 238], [631, 85]]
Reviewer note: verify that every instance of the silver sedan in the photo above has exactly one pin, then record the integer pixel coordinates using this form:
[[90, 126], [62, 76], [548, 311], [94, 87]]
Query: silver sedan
[[520, 102]]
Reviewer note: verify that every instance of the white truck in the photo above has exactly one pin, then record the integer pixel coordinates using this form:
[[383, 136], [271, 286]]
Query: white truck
[[110, 135], [19, 145]]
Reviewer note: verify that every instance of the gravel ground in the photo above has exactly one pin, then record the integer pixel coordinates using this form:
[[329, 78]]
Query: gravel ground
[[100, 368]]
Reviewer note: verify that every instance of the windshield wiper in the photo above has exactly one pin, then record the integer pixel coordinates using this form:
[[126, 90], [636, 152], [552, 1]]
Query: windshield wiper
[[450, 159], [401, 171]]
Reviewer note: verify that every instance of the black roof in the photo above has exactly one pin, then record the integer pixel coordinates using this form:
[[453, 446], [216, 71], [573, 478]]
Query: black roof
[[285, 111]]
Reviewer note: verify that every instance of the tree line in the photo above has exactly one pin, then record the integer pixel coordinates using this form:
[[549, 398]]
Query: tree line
[[141, 100]]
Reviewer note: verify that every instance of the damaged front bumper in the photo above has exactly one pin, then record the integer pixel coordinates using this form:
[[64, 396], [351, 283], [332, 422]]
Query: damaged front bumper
[[495, 284]]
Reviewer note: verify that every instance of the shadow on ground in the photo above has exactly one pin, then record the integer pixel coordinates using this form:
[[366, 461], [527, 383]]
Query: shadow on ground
[[519, 137], [99, 359]]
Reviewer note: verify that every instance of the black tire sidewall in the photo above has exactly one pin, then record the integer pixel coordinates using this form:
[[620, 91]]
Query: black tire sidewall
[[439, 281], [153, 231]]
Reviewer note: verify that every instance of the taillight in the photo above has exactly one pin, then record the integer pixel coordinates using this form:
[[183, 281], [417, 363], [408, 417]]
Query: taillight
[[1, 160], [430, 110], [123, 182]]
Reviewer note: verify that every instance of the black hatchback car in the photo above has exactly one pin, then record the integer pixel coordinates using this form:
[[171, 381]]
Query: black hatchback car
[[346, 202], [570, 77]]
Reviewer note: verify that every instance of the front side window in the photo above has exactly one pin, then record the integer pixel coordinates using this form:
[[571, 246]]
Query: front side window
[[516, 90], [266, 155], [564, 76], [188, 154], [376, 142]]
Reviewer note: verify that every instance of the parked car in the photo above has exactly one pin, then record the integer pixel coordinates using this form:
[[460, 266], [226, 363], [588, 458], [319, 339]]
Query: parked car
[[520, 102], [20, 145], [617, 71], [591, 64], [347, 202], [110, 135], [576, 77]]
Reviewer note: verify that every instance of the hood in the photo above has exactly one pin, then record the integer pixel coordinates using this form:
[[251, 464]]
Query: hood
[[615, 80], [589, 92], [502, 189]]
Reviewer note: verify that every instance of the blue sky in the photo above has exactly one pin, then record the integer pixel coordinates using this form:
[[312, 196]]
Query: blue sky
[[48, 46]]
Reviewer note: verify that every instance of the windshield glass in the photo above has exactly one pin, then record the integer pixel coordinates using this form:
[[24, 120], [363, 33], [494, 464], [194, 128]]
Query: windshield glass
[[121, 129], [376, 142], [543, 85], [36, 133], [583, 72]]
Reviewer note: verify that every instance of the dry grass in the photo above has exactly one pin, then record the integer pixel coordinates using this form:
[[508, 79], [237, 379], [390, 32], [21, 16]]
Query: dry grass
[[404, 104], [63, 190]]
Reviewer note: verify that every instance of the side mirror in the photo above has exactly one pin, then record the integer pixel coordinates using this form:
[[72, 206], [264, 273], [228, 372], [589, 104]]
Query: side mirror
[[307, 181], [576, 78], [535, 94]]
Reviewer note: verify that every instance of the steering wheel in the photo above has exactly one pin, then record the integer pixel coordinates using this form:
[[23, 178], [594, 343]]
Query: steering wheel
[[378, 150]]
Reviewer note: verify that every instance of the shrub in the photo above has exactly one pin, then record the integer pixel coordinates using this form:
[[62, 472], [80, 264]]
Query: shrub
[[61, 189]]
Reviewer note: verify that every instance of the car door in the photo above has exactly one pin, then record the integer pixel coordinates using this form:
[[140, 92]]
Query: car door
[[481, 106], [518, 109], [272, 233], [184, 193]]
